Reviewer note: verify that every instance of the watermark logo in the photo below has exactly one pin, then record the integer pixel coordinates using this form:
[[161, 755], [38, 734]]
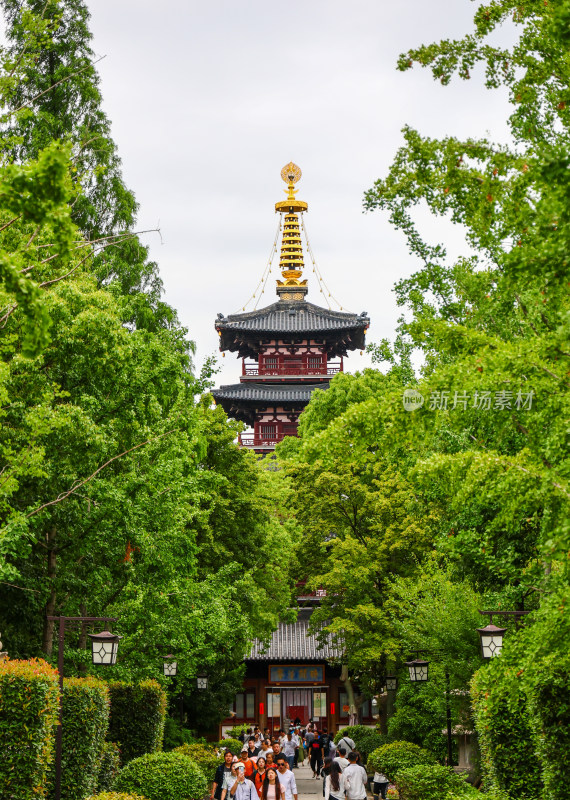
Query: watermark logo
[[412, 399], [447, 400]]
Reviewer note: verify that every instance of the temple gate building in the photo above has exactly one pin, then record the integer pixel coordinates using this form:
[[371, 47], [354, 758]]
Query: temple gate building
[[288, 350]]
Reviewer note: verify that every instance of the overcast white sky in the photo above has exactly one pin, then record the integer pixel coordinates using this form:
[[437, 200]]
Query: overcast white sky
[[208, 100]]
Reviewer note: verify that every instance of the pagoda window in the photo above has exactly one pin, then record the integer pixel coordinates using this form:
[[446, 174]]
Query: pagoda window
[[314, 363], [271, 362], [268, 431]]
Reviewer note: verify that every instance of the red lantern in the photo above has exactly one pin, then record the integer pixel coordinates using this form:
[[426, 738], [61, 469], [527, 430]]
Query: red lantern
[[333, 709], [261, 709]]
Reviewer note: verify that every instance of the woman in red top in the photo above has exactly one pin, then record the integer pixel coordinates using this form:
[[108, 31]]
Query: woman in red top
[[259, 775]]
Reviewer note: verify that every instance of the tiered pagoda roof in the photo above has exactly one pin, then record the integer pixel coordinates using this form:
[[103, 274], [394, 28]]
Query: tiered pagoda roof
[[240, 400], [285, 320]]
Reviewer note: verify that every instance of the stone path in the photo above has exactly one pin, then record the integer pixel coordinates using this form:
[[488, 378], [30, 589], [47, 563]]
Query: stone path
[[307, 787]]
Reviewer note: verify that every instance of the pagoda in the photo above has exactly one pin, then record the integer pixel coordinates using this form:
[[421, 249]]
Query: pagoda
[[288, 349]]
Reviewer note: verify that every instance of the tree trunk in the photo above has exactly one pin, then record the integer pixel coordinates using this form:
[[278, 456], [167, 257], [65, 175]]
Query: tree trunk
[[352, 713], [47, 637]]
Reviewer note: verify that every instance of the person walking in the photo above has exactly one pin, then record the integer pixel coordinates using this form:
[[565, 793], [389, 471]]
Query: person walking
[[325, 772], [252, 748], [335, 783], [348, 745], [288, 750], [355, 778], [248, 764], [243, 788], [341, 758], [221, 771], [316, 754], [259, 775], [272, 789], [286, 779], [380, 787]]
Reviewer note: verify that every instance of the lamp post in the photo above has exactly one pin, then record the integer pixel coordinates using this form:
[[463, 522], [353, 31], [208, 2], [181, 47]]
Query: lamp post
[[202, 681], [391, 683], [419, 673], [491, 636], [103, 651], [170, 669]]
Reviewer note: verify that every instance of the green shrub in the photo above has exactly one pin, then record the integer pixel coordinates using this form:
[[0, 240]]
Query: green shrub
[[204, 755], [432, 782], [109, 767], [351, 731], [237, 730], [397, 756], [137, 718], [506, 737], [550, 712], [29, 707], [231, 744], [85, 710], [116, 796], [175, 734], [368, 740], [163, 776]]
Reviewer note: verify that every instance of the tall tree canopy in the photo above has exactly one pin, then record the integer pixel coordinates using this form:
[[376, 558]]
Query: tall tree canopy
[[473, 484], [122, 491]]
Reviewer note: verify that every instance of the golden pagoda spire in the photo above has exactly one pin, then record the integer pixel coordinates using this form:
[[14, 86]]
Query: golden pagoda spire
[[291, 260]]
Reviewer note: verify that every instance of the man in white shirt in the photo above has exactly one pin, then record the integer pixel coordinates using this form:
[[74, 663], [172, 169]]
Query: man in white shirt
[[286, 779], [288, 750], [341, 759], [348, 745], [355, 778]]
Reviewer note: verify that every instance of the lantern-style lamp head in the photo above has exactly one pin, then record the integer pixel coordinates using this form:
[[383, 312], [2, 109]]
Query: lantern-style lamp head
[[104, 647], [170, 666], [491, 640], [418, 670], [202, 682], [391, 683]]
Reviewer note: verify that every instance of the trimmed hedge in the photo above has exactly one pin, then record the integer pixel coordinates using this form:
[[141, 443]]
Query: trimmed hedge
[[116, 796], [397, 756], [85, 720], [230, 744], [109, 767], [163, 776], [204, 755], [432, 782], [29, 707], [506, 736], [136, 722], [549, 712], [351, 731]]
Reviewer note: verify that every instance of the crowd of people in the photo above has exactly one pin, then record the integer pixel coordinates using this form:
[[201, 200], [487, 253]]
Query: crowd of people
[[265, 767]]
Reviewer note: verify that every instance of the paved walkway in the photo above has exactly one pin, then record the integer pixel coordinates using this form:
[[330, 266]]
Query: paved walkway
[[308, 788]]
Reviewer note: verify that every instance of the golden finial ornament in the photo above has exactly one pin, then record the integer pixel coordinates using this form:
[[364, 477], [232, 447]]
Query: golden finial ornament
[[291, 260]]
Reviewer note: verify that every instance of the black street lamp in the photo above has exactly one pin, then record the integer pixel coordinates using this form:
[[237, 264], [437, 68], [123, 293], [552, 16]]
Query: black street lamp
[[104, 647], [170, 666], [391, 683], [491, 636], [418, 669], [202, 682], [103, 651]]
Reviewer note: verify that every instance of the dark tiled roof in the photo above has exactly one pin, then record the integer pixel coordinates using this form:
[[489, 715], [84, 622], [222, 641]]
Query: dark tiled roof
[[293, 642], [296, 316], [292, 321], [251, 392]]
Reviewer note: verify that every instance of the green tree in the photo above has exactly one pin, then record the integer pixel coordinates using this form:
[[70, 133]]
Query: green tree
[[57, 98]]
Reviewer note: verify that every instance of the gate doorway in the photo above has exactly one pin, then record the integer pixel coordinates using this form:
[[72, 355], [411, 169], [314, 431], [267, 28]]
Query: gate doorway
[[296, 704]]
